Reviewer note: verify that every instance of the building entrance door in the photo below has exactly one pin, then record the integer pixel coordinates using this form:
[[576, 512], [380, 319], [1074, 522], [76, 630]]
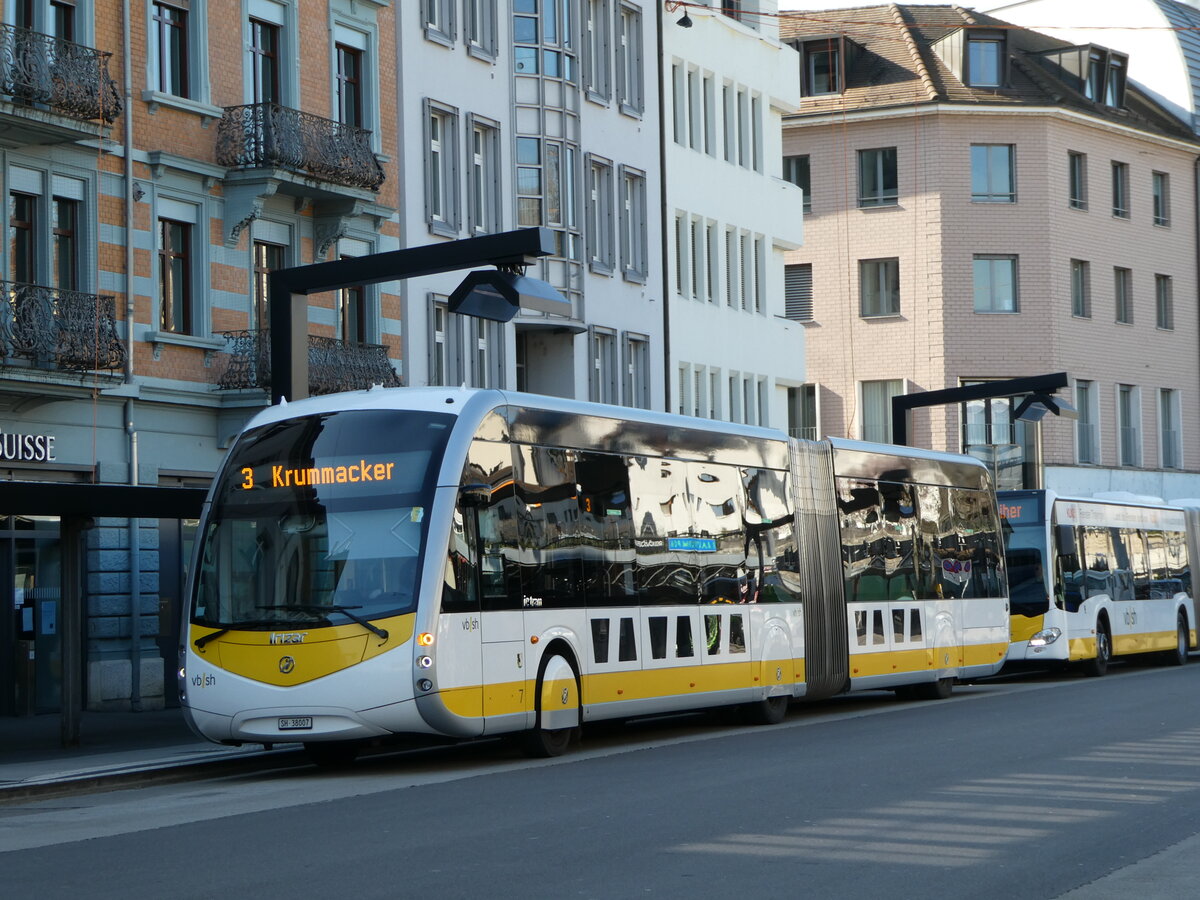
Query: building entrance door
[[31, 594]]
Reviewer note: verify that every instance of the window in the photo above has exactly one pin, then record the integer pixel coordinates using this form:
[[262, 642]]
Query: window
[[1114, 88], [995, 280], [169, 47], [348, 78], [985, 59], [603, 388], [441, 169], [634, 231], [710, 115], [992, 176], [729, 119], [22, 237], [600, 225], [1169, 437], [174, 276], [1077, 180], [743, 128], [1123, 292], [1120, 190], [732, 8], [802, 412], [1129, 425], [732, 267], [629, 60], [820, 67], [795, 170], [267, 258], [879, 287], [65, 247], [877, 185], [483, 188], [265, 83], [637, 370], [1093, 85], [877, 409], [1087, 434], [597, 78], [713, 247], [797, 292], [439, 21], [1081, 300], [445, 345], [479, 28], [62, 24], [1160, 186], [1164, 303], [352, 314]]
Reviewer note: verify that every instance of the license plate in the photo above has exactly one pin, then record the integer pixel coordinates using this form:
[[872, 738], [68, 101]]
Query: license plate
[[295, 723]]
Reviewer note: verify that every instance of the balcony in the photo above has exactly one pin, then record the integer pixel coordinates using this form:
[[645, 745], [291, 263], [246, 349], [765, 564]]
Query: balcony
[[48, 328], [55, 90], [269, 136], [333, 365]]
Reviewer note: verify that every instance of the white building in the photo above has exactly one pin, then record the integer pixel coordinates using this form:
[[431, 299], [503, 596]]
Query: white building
[[729, 216], [525, 114]]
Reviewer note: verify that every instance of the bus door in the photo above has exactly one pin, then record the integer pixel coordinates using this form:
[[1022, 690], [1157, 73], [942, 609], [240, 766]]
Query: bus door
[[500, 636]]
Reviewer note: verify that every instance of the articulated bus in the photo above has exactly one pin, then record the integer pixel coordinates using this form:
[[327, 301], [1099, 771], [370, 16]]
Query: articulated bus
[[1091, 579], [469, 563]]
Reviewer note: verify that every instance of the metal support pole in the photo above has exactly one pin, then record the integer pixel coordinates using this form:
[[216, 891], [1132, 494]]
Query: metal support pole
[[288, 288]]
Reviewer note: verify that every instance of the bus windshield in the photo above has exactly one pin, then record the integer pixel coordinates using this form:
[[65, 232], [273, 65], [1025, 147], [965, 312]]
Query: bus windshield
[[320, 521], [1025, 555]]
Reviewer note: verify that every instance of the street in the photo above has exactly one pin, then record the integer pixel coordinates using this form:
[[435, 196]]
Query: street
[[1028, 786]]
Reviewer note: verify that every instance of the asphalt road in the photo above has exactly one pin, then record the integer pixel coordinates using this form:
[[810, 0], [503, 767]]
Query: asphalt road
[[1028, 787]]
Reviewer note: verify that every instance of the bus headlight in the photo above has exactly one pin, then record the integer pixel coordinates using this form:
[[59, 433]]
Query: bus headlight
[[1045, 637], [424, 662], [425, 684]]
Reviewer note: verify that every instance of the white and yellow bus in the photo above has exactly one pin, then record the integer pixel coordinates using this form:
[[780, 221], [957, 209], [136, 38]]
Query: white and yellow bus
[[1092, 579], [472, 563]]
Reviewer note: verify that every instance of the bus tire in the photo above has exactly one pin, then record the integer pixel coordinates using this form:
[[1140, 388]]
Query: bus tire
[[1098, 664], [935, 690], [332, 754], [770, 711], [1179, 655], [557, 698]]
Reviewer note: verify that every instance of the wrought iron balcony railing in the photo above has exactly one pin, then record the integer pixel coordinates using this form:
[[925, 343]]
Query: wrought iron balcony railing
[[69, 78], [333, 365], [57, 329], [266, 135]]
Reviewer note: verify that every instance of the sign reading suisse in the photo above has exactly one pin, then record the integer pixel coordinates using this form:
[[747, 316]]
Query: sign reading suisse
[[27, 447]]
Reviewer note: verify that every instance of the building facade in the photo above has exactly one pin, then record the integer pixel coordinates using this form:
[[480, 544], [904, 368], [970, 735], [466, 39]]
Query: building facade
[[729, 215], [990, 203]]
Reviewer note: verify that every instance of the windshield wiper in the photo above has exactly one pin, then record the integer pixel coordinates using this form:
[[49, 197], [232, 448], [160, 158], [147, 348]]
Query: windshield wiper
[[249, 623], [345, 611]]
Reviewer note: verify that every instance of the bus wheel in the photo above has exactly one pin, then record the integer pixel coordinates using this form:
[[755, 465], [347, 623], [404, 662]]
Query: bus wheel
[[1098, 664], [1179, 655], [332, 754], [558, 709], [770, 711], [935, 690]]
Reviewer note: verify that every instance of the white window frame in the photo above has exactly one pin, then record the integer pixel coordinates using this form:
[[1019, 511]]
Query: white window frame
[[1122, 295], [1129, 425], [876, 419], [439, 21], [1160, 190], [445, 344], [997, 163], [995, 305], [1170, 436], [876, 158], [597, 51], [604, 384], [1087, 426], [1077, 180], [636, 356], [1164, 302], [630, 66], [635, 248], [442, 206], [479, 29], [365, 42], [483, 182], [1120, 190], [601, 215]]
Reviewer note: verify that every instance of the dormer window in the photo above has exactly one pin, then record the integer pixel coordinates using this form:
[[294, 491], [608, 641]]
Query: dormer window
[[821, 66], [1096, 72], [985, 59]]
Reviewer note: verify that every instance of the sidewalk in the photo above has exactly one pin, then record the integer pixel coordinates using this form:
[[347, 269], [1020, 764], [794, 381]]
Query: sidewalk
[[114, 748]]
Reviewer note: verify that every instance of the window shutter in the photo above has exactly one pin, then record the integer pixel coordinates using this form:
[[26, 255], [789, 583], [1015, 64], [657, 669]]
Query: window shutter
[[797, 292]]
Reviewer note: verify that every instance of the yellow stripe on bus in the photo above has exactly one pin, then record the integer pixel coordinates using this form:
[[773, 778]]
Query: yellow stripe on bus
[[291, 656], [1023, 628]]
